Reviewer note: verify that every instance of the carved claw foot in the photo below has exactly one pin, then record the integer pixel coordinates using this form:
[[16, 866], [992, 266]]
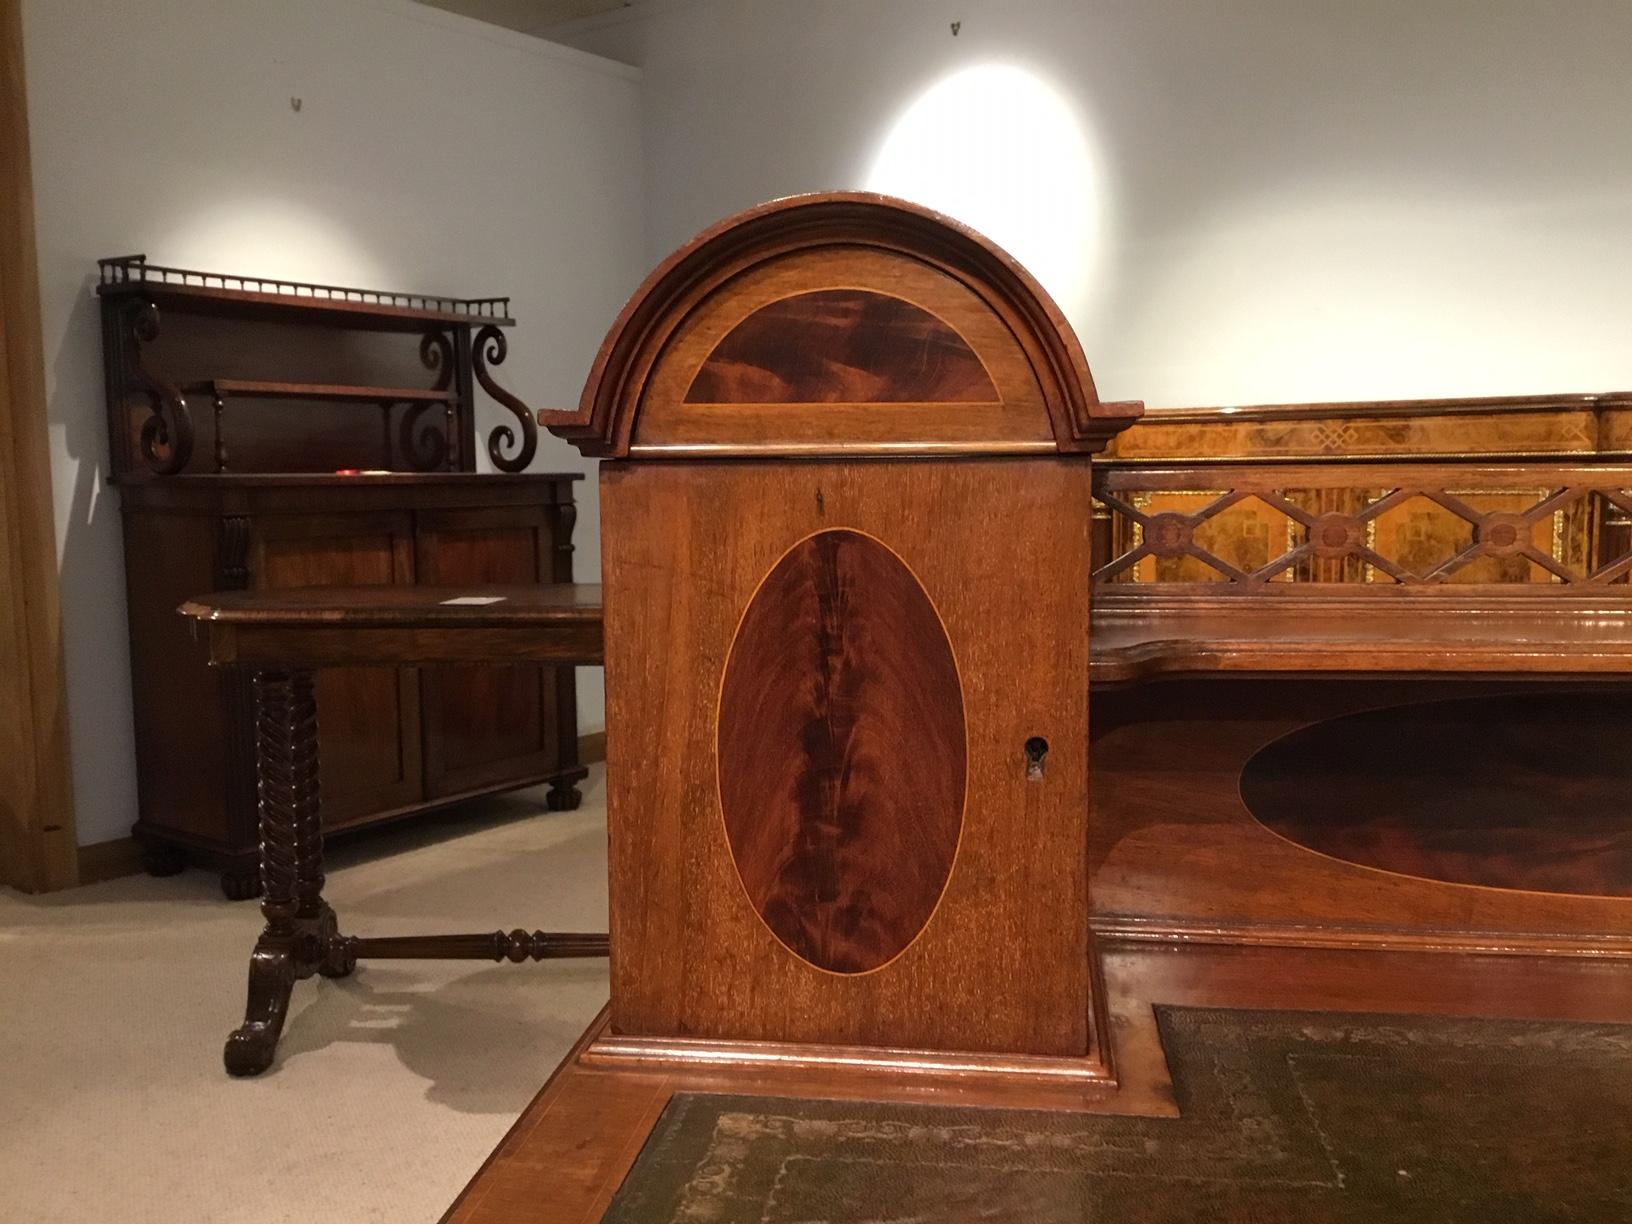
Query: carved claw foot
[[272, 975], [563, 797], [249, 1050]]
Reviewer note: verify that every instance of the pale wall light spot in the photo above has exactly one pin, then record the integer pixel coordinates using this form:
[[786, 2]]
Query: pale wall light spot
[[1000, 149], [268, 236]]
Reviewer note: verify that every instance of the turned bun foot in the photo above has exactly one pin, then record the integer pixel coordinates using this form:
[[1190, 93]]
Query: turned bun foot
[[249, 1050], [563, 797], [241, 883]]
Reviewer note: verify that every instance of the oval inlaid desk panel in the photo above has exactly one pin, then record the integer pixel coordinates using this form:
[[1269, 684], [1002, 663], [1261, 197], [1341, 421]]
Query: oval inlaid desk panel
[[1523, 791], [842, 754]]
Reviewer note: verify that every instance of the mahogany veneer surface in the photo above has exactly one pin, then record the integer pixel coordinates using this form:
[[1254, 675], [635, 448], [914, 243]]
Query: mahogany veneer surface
[[842, 752], [1529, 791], [1178, 854], [1378, 632], [762, 717], [842, 345]]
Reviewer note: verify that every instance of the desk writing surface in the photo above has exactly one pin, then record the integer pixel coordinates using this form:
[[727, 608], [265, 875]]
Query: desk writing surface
[[1131, 639], [313, 627]]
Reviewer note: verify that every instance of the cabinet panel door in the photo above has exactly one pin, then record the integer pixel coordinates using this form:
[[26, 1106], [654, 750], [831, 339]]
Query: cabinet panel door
[[368, 717], [486, 725]]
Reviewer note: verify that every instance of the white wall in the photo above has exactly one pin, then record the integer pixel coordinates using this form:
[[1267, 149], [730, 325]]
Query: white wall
[[1287, 199], [430, 154]]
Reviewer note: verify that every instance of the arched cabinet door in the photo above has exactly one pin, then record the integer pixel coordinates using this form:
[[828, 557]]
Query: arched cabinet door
[[846, 562]]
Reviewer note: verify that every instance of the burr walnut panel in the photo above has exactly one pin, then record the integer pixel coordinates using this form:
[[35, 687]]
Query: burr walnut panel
[[841, 753]]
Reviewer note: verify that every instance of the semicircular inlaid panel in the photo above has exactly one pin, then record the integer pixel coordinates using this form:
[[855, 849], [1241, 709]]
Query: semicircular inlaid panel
[[832, 346], [842, 752], [1521, 791]]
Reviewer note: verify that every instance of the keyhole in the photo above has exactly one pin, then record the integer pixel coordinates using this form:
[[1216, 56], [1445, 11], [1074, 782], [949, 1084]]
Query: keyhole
[[1036, 751]]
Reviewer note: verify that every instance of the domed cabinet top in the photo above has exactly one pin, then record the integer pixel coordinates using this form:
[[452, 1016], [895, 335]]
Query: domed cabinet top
[[844, 324]]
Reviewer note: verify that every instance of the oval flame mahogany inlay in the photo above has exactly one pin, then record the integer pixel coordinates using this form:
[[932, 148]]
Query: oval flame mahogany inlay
[[833, 346], [842, 753], [1524, 791]]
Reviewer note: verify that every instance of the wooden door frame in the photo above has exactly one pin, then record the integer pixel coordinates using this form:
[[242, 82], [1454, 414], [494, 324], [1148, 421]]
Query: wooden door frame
[[38, 841]]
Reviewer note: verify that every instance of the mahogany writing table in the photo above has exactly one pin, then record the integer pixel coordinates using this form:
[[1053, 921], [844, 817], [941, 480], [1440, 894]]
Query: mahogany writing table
[[283, 635]]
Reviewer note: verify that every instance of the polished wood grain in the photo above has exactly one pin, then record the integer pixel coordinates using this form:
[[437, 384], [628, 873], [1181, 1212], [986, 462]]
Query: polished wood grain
[[1307, 630], [485, 724], [567, 1154], [1499, 426], [1012, 417], [235, 403], [206, 379], [281, 634], [37, 838], [387, 732], [773, 756], [249, 388], [1179, 857], [370, 741], [831, 346], [1528, 791], [839, 240], [1208, 902], [559, 623], [842, 752], [692, 957], [404, 607]]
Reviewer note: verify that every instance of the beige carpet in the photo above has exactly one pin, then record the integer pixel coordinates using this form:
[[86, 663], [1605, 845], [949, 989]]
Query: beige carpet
[[391, 1087]]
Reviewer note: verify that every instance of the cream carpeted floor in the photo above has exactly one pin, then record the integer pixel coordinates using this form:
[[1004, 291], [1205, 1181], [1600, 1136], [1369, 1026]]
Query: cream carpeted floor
[[391, 1087]]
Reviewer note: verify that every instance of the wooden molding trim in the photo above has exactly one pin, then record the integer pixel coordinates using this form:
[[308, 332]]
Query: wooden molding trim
[[880, 1063], [592, 748], [1116, 929], [38, 847]]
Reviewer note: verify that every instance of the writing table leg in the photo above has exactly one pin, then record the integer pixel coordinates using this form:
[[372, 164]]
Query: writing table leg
[[302, 936], [298, 921]]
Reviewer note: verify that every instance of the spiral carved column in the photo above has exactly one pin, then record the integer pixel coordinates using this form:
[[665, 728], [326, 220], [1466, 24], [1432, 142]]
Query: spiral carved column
[[302, 936], [299, 925], [287, 785]]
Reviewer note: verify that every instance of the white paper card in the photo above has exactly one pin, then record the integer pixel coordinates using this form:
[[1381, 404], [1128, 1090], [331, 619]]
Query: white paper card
[[477, 600]]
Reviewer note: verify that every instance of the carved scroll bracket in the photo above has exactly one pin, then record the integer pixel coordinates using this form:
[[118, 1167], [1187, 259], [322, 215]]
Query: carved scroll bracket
[[167, 435], [427, 449], [491, 347]]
